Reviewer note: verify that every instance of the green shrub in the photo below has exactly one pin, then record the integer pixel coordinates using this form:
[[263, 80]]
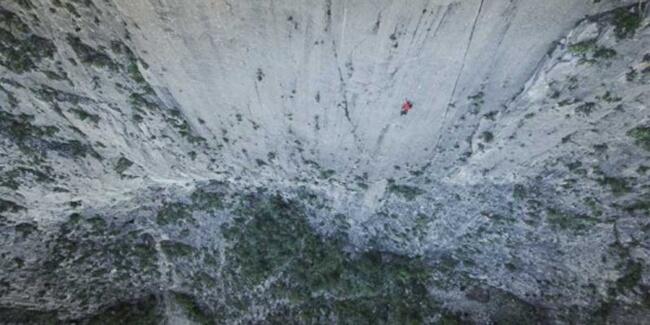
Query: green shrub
[[406, 191], [641, 136], [487, 136], [89, 55], [626, 22], [618, 186], [273, 240], [20, 49], [83, 115], [192, 309], [176, 249], [9, 206], [143, 311], [583, 47], [174, 213], [567, 221], [122, 165]]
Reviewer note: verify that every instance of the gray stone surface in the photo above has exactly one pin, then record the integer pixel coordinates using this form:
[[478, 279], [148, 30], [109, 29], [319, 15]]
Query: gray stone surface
[[245, 162]]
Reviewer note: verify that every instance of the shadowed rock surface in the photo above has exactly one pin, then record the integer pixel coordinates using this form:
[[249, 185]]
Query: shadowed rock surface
[[237, 162]]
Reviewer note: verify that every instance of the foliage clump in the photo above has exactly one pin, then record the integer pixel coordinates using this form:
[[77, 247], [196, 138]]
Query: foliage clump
[[191, 308], [618, 186], [641, 136], [273, 240], [176, 249], [476, 101], [83, 115], [89, 55], [174, 213], [143, 311], [626, 22], [20, 130], [21, 315], [406, 191], [487, 136], [10, 178], [567, 221], [20, 49], [589, 51], [631, 278], [210, 197], [10, 206], [122, 165]]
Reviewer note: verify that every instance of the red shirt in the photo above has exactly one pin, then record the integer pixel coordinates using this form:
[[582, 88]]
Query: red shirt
[[407, 106]]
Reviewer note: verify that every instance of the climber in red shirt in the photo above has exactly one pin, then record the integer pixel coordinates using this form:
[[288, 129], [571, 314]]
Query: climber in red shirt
[[406, 107]]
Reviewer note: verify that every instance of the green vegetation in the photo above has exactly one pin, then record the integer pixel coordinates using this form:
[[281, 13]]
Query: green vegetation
[[611, 98], [16, 315], [631, 74], [512, 310], [9, 206], [641, 136], [618, 186], [500, 219], [583, 47], [476, 101], [209, 200], [177, 121], [115, 251], [146, 97], [10, 178], [589, 51], [142, 312], [25, 4], [73, 149], [139, 101], [83, 115], [20, 50], [174, 213], [487, 136], [122, 165], [642, 205], [12, 23], [200, 280], [20, 130], [52, 96], [273, 239], [519, 192], [631, 278], [585, 108], [604, 53], [57, 76], [25, 229], [326, 174], [191, 308], [134, 71], [406, 191], [362, 181], [11, 98], [626, 22], [89, 55], [71, 9], [594, 206], [567, 221], [176, 249]]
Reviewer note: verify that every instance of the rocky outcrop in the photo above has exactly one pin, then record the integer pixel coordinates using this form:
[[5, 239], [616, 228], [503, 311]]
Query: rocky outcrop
[[244, 162]]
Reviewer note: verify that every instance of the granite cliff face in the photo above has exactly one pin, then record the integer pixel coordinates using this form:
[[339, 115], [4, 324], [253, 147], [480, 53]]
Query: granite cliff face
[[236, 162]]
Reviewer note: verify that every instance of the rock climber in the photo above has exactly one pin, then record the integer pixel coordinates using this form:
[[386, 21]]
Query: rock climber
[[406, 107]]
